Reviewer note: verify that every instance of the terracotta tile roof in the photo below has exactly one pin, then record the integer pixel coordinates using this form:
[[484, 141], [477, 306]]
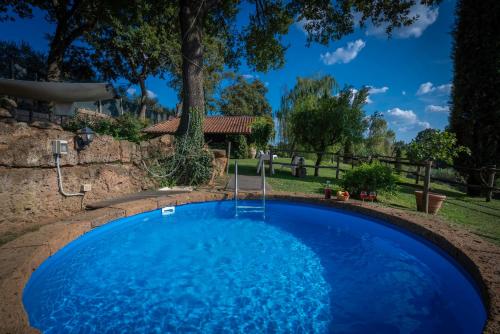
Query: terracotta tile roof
[[211, 125]]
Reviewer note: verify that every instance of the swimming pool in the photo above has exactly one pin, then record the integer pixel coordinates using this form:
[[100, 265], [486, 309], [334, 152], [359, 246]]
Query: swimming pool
[[302, 269]]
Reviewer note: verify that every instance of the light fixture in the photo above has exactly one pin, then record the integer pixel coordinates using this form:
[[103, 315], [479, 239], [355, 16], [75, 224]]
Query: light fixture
[[84, 137]]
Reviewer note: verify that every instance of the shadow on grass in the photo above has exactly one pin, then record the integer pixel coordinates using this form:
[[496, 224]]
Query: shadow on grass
[[453, 198], [284, 174]]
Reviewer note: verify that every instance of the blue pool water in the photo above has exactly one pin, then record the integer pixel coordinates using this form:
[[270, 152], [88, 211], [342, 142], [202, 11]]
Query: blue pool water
[[302, 269]]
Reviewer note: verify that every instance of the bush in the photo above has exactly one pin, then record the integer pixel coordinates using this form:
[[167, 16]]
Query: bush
[[369, 177], [262, 132], [126, 126], [239, 146]]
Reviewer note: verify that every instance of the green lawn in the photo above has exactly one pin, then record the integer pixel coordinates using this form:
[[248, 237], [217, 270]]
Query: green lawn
[[475, 214]]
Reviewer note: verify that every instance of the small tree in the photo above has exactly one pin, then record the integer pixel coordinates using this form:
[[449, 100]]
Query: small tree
[[320, 122], [435, 145], [262, 131]]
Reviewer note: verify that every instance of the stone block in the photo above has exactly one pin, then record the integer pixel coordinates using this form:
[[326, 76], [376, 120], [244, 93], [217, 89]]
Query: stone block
[[101, 150]]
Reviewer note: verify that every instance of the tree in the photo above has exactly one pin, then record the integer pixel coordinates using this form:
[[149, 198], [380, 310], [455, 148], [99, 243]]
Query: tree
[[262, 131], [245, 98], [319, 122], [435, 145], [20, 61], [475, 108], [136, 43], [317, 86], [380, 139], [261, 39]]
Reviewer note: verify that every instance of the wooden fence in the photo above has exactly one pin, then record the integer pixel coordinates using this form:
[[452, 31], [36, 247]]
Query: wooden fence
[[487, 183]]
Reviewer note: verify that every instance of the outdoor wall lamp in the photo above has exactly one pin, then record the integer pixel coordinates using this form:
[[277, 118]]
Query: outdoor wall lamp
[[84, 137]]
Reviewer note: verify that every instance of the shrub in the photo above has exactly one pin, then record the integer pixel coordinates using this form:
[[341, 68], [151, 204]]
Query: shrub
[[262, 131], [369, 177], [239, 146], [126, 126]]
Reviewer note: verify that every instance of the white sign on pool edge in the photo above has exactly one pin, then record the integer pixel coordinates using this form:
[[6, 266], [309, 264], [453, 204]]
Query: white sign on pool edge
[[168, 210]]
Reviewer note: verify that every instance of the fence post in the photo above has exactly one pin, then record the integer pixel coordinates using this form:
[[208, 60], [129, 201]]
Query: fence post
[[271, 169], [228, 156], [338, 166], [427, 183], [491, 182], [417, 176]]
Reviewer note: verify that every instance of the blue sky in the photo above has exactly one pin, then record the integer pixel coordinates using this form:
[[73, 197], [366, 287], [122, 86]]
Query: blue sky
[[410, 74]]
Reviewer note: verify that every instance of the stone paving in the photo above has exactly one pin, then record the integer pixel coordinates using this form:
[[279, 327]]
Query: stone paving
[[20, 257]]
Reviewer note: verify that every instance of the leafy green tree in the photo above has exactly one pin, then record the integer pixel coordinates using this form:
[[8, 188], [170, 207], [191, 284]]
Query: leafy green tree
[[260, 41], [20, 61], [136, 43], [319, 122], [245, 98], [380, 139], [435, 145], [475, 108], [72, 19], [262, 131], [316, 86]]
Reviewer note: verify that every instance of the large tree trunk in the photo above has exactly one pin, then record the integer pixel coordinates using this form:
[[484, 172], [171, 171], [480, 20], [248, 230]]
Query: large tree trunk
[[57, 49], [318, 162], [144, 96], [193, 106]]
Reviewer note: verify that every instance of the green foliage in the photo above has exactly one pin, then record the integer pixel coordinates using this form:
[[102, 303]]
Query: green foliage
[[304, 87], [380, 139], [239, 146], [125, 127], [245, 98], [435, 145], [21, 61], [136, 42], [189, 164], [369, 177], [475, 108], [262, 132], [319, 121]]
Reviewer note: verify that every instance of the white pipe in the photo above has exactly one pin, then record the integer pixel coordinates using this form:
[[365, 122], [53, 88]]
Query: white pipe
[[59, 177]]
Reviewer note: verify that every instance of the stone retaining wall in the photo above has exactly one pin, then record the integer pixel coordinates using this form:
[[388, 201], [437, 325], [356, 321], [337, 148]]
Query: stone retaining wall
[[29, 188]]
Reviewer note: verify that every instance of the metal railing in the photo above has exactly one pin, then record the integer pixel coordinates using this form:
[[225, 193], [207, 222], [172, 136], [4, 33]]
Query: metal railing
[[249, 208]]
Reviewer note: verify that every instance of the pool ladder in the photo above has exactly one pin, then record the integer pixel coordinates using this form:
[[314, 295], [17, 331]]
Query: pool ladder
[[250, 208]]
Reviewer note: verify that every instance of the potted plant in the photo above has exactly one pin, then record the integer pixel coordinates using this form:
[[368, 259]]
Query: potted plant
[[433, 145]]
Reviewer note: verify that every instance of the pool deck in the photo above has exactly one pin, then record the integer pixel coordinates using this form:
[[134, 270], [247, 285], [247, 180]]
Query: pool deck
[[20, 257]]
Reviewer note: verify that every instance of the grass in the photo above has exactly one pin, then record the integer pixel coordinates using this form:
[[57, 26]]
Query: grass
[[473, 213]]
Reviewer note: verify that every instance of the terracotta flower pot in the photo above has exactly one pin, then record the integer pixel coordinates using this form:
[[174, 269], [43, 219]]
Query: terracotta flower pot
[[435, 201]]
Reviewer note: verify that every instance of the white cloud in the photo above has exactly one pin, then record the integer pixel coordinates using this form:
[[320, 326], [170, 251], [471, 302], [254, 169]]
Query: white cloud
[[403, 92], [428, 87], [424, 17], [375, 90], [151, 94], [434, 108], [406, 120], [343, 55], [248, 76], [132, 91], [405, 116]]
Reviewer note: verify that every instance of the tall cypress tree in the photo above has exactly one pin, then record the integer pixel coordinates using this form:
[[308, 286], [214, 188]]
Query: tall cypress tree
[[475, 110]]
